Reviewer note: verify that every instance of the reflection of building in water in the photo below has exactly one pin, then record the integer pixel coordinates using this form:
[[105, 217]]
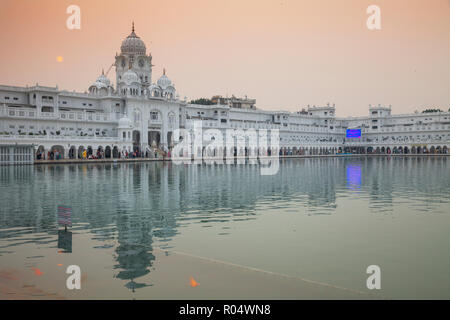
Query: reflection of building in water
[[142, 206], [354, 175], [65, 240], [134, 253]]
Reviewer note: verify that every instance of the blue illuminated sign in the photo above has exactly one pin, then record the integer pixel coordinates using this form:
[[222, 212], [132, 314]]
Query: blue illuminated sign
[[353, 133]]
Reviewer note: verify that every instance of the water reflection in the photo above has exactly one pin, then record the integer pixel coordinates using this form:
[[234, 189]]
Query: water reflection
[[136, 207], [65, 240], [354, 176]]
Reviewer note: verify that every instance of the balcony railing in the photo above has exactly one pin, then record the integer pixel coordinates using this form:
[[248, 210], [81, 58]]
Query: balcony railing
[[62, 115], [154, 122], [17, 137]]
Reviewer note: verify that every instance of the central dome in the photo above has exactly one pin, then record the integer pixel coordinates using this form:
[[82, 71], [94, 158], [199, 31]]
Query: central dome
[[133, 44]]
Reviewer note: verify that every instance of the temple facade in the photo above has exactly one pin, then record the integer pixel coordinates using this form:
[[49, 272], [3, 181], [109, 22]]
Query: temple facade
[[140, 114]]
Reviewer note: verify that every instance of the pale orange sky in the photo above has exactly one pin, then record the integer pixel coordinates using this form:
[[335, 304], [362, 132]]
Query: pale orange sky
[[285, 53]]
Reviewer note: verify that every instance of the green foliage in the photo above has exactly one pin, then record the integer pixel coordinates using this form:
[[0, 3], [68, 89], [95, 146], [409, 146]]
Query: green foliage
[[202, 101], [431, 110]]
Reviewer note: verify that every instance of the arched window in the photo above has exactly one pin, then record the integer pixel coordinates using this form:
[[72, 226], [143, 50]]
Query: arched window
[[154, 116], [137, 115], [171, 120]]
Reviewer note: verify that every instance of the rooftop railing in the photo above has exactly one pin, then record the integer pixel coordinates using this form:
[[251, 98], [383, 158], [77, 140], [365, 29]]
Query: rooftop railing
[[62, 115]]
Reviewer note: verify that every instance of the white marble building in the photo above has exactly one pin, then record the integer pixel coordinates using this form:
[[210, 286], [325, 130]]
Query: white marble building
[[140, 114]]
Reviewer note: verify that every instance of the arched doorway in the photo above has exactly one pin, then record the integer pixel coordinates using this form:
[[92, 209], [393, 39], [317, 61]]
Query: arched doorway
[[40, 153], [57, 152], [80, 152], [72, 152], [170, 139], [115, 152], [99, 153], [108, 152], [154, 138], [136, 140]]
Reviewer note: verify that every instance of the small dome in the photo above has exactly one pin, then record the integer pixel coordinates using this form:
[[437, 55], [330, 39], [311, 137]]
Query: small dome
[[125, 123], [154, 87], [164, 81], [103, 79], [133, 44], [101, 82], [99, 85], [129, 77]]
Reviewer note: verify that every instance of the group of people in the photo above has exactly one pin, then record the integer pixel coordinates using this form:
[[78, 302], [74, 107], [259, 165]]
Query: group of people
[[54, 154], [51, 155]]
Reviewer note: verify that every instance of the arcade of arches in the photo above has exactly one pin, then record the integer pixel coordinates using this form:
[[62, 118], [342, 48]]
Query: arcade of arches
[[56, 152]]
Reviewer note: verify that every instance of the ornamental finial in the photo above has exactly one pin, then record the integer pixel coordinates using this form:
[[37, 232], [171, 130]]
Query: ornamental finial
[[132, 28]]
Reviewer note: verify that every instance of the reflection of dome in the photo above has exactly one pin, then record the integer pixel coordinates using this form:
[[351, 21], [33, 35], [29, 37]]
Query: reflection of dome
[[133, 44], [164, 81], [125, 123], [129, 77]]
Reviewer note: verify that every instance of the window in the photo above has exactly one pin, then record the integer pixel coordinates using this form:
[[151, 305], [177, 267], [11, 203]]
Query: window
[[137, 115], [154, 115]]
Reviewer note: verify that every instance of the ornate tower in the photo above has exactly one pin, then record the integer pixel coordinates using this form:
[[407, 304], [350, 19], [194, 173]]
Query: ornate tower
[[133, 57]]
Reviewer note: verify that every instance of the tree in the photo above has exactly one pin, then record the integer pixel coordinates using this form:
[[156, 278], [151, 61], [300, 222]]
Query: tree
[[431, 110], [202, 101]]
